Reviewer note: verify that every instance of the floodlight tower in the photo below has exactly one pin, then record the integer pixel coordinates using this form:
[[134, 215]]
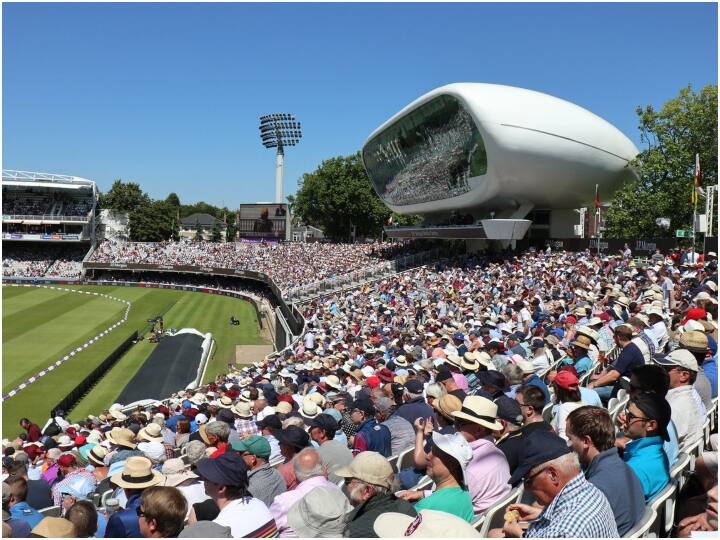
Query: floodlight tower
[[278, 131]]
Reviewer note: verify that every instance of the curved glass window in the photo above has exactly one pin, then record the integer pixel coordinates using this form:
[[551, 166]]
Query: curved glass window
[[427, 155]]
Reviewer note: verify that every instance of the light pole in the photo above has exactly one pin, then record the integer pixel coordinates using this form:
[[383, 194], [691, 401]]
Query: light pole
[[278, 131]]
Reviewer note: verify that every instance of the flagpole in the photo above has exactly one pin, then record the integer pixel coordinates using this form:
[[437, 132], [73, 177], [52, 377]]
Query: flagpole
[[695, 199]]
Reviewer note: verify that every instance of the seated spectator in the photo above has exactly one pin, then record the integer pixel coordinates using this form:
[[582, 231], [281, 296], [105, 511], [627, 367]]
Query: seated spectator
[[567, 397], [39, 495], [311, 474], [646, 420], [19, 508], [84, 516], [332, 453], [54, 527], [162, 512], [369, 481], [427, 524], [292, 440], [226, 483], [570, 505], [371, 435], [264, 482], [319, 514], [592, 436], [178, 475], [71, 472]]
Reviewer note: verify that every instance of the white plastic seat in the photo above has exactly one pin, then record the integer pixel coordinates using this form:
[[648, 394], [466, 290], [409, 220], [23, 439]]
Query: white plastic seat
[[642, 527], [495, 515], [51, 511], [681, 465], [664, 505], [547, 413], [406, 459]]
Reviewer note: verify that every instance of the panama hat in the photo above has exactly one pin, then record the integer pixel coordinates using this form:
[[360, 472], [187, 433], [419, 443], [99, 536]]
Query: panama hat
[[54, 527], [309, 409], [122, 437], [243, 409], [150, 433], [694, 341], [402, 361], [480, 411], [369, 467], [470, 361], [427, 524], [176, 471], [446, 405], [96, 456], [283, 407], [225, 402], [137, 474], [454, 360], [333, 381], [582, 341], [484, 359], [64, 441], [317, 398]]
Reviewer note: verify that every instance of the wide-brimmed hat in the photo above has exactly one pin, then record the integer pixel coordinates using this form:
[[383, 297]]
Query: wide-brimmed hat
[[369, 467], [454, 360], [176, 471], [309, 409], [582, 341], [484, 359], [317, 398], [427, 524], [283, 407], [96, 456], [137, 473], [54, 527], [333, 381], [479, 410], [225, 402], [446, 405], [456, 447], [64, 441], [243, 409], [470, 361], [694, 341], [150, 433], [121, 437], [321, 513]]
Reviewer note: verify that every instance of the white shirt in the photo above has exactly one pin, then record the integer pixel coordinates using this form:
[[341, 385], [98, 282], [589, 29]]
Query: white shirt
[[309, 340], [267, 411], [660, 332], [688, 413], [193, 493], [244, 516]]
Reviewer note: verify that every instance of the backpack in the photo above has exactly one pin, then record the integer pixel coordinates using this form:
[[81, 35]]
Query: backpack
[[52, 429]]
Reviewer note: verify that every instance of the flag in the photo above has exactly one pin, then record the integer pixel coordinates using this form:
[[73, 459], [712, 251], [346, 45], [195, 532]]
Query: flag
[[696, 187], [597, 199]]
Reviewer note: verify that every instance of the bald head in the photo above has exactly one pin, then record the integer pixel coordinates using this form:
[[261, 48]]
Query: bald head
[[307, 464]]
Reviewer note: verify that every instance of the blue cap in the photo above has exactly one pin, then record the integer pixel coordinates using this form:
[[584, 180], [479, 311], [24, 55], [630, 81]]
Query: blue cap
[[539, 447], [459, 336], [228, 469]]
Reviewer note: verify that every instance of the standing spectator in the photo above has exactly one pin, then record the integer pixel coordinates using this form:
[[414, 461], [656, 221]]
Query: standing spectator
[[311, 474], [264, 482], [32, 429], [592, 436], [162, 512], [369, 486], [137, 475], [226, 483]]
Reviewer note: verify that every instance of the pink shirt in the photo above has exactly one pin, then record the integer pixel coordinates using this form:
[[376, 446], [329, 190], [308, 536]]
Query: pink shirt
[[488, 475], [283, 502], [461, 381]]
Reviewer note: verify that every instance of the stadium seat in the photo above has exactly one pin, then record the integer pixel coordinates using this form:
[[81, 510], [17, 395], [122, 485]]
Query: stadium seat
[[678, 469], [642, 527], [664, 505], [495, 515], [393, 463], [406, 459], [585, 379], [622, 395], [51, 511], [105, 496], [275, 464], [612, 404], [424, 483], [547, 413], [694, 449], [706, 430]]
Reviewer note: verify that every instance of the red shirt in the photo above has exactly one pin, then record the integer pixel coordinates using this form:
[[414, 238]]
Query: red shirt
[[33, 433]]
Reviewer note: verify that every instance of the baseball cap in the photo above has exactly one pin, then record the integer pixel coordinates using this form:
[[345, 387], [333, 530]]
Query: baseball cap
[[567, 380], [255, 445], [509, 410], [655, 407], [679, 358], [79, 487], [228, 469], [271, 421], [293, 436], [67, 460], [324, 422], [414, 386], [540, 447], [365, 405]]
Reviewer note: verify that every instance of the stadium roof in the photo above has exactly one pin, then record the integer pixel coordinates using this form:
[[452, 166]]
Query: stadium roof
[[40, 179]]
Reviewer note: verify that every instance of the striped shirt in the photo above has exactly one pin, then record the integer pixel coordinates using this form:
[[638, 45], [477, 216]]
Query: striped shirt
[[69, 479], [580, 510], [246, 427]]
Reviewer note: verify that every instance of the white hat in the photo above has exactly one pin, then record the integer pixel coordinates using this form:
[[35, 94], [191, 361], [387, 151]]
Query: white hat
[[681, 358], [332, 381], [526, 366], [455, 446], [479, 410], [201, 418], [321, 513], [309, 409], [154, 451], [198, 399], [367, 371], [427, 524]]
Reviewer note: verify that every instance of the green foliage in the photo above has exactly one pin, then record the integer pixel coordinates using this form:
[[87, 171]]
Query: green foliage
[[124, 197], [198, 233], [339, 194], [216, 233], [154, 222], [173, 199], [686, 125]]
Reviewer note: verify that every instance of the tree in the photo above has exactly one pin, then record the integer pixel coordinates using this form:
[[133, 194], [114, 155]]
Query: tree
[[198, 232], [124, 197], [338, 195], [154, 222], [216, 233], [686, 125], [173, 199]]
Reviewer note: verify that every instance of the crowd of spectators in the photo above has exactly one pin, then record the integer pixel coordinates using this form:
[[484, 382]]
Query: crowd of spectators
[[495, 374], [42, 260], [55, 204], [290, 265]]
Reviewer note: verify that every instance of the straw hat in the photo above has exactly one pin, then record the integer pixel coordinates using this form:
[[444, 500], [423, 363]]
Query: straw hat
[[582, 341], [122, 437], [137, 474], [454, 360], [54, 527], [176, 471], [225, 402], [370, 467], [320, 513], [283, 407], [317, 398], [150, 433], [309, 409], [470, 361], [96, 456], [427, 524], [402, 361], [480, 411], [333, 381], [243, 409], [446, 405]]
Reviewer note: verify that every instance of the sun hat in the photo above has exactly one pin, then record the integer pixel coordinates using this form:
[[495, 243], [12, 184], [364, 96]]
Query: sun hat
[[243, 409], [694, 341], [692, 325], [117, 414], [225, 402], [206, 529], [446, 405], [194, 451], [402, 361], [678, 358], [154, 451], [333, 381], [54, 527], [583, 342], [427, 524], [454, 360], [540, 447], [479, 410], [385, 375], [369, 467], [456, 447], [150, 433], [121, 437], [228, 469], [321, 513], [309, 409], [137, 473], [283, 407], [176, 471], [198, 399], [317, 398], [526, 366], [256, 445]]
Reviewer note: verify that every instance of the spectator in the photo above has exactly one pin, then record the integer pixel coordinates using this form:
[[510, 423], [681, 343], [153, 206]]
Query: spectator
[[646, 420], [608, 383], [12, 528], [84, 518], [78, 491], [32, 429], [136, 476], [427, 524], [371, 435], [71, 472], [319, 514], [54, 527], [697, 343], [333, 454], [39, 495], [227, 485], [567, 396], [162, 512], [311, 474], [571, 506], [178, 475], [591, 435], [369, 480], [292, 440], [264, 482], [19, 508]]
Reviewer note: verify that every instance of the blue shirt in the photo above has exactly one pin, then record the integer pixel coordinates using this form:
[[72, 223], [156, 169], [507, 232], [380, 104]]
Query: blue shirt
[[124, 523], [620, 485], [709, 367], [648, 459], [23, 511]]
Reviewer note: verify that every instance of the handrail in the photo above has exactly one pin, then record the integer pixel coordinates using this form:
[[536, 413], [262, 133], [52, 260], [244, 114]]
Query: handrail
[[44, 217]]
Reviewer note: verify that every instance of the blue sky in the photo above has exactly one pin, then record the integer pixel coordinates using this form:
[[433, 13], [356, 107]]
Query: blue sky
[[169, 95]]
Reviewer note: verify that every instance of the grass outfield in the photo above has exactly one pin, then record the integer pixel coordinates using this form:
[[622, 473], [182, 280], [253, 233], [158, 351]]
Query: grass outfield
[[36, 331]]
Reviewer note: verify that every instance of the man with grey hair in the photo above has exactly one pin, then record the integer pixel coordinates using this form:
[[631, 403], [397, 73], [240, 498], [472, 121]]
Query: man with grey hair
[[194, 452], [570, 505], [310, 473]]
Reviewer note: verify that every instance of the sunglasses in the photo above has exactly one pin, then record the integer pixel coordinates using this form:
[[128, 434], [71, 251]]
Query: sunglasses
[[527, 482], [630, 416]]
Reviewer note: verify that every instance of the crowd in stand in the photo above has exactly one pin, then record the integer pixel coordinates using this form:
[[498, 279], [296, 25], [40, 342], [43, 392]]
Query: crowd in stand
[[565, 386], [44, 260], [51, 204], [290, 265]]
